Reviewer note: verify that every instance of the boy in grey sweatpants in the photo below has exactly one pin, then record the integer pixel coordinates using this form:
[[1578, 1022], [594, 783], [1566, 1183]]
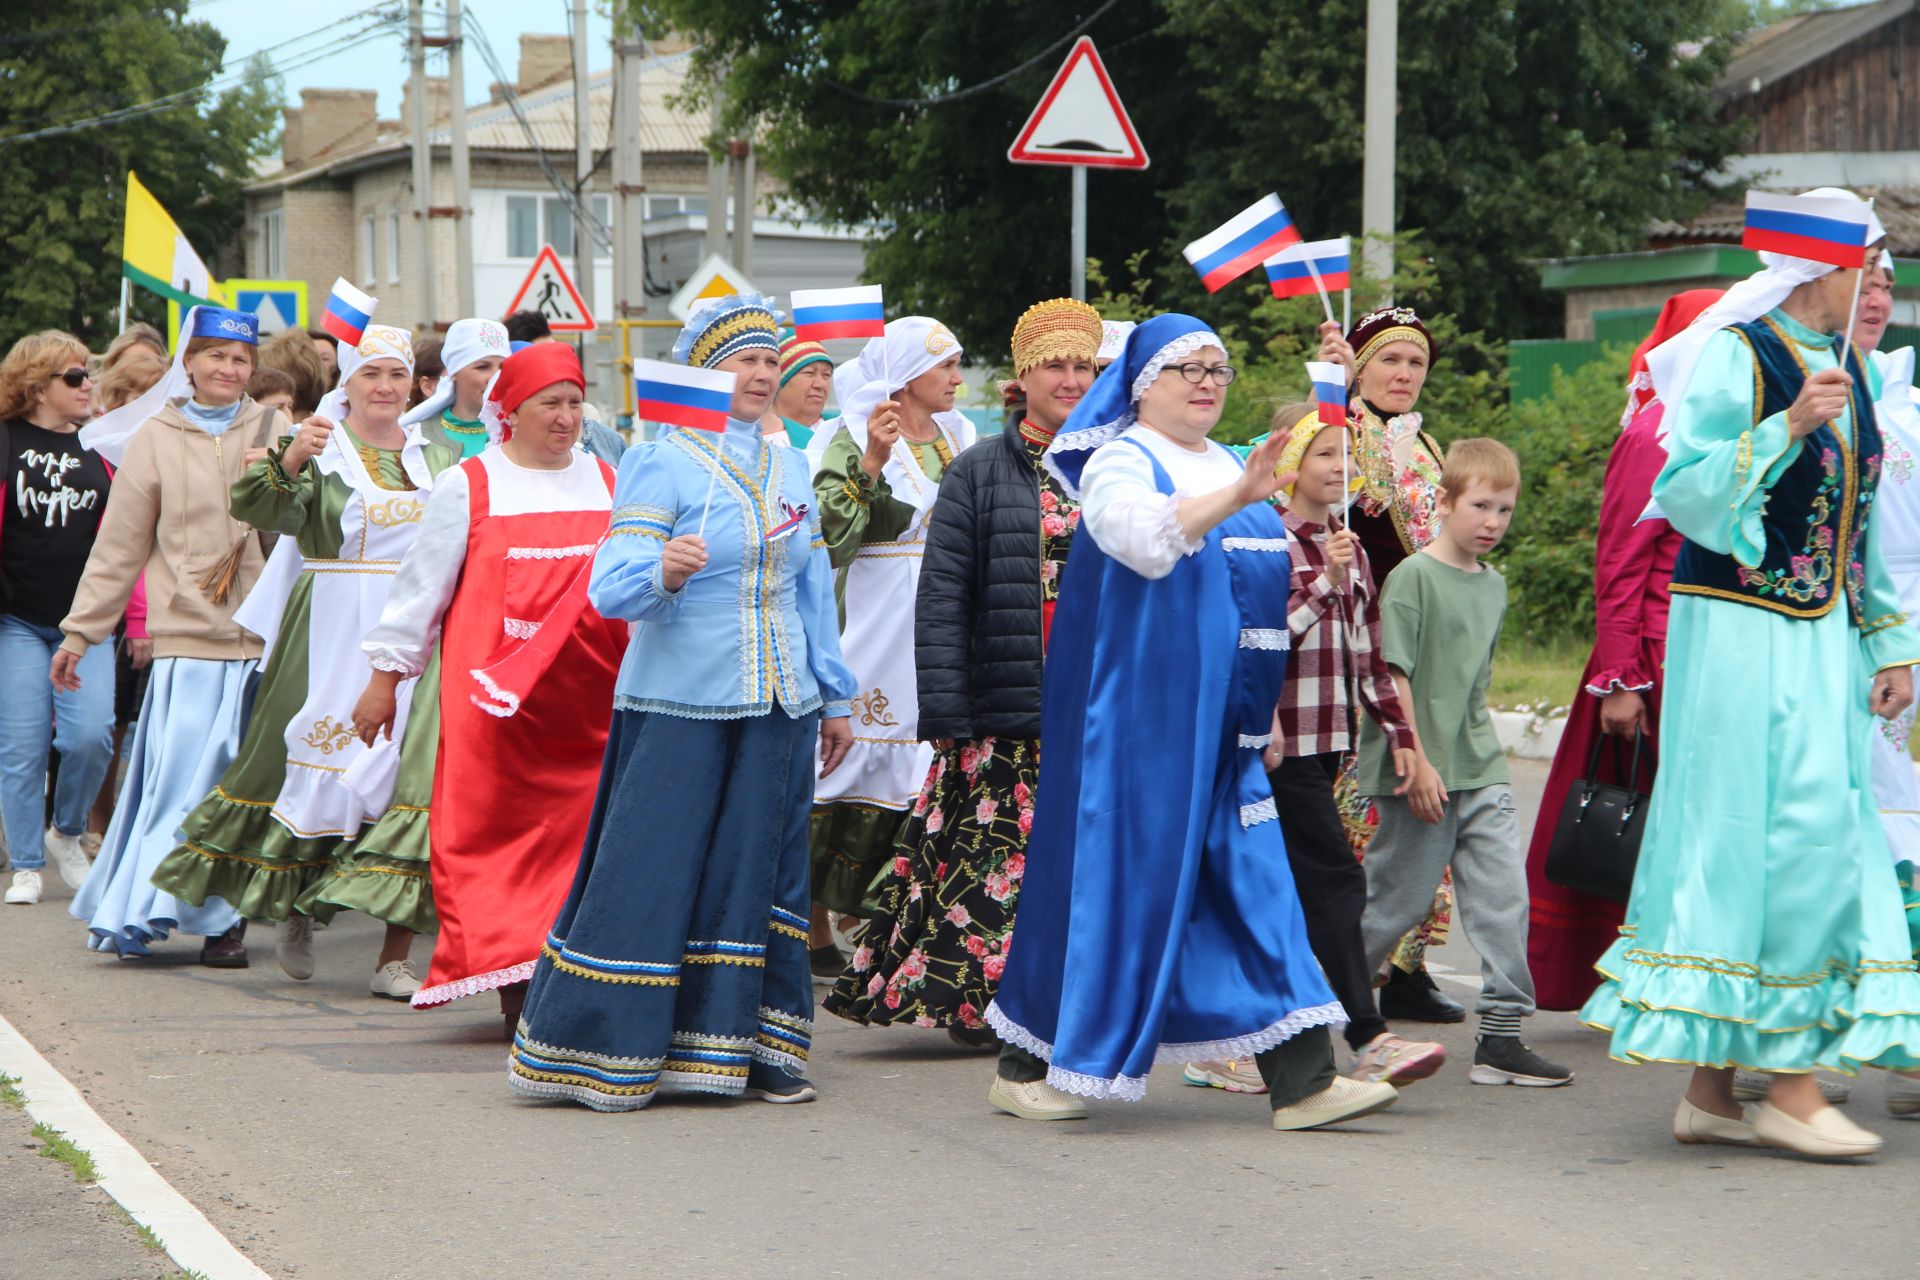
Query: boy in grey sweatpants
[[1440, 614]]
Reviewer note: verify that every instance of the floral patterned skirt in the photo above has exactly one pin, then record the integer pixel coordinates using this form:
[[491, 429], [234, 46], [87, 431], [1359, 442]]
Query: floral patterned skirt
[[1361, 820], [933, 953]]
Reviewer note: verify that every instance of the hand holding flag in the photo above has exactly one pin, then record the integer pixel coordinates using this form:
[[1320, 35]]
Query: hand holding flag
[[1322, 265], [1245, 241]]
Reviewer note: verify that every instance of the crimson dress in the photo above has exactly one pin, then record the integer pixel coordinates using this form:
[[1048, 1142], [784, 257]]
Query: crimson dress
[[1633, 562]]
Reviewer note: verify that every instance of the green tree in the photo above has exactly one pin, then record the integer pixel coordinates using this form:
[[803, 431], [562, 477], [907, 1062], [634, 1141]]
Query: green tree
[[63, 197], [1528, 129]]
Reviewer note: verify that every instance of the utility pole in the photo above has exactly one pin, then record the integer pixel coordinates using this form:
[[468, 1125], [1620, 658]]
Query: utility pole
[[740, 160], [1382, 103], [583, 242], [717, 166], [422, 166], [462, 178], [629, 187]]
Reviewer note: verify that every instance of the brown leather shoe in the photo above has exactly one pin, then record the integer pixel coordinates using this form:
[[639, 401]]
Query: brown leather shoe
[[228, 951]]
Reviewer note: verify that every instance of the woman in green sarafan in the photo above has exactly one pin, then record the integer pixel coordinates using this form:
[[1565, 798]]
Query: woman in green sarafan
[[284, 835]]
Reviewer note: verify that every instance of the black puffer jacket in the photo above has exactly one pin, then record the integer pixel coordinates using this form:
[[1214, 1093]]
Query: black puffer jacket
[[976, 624]]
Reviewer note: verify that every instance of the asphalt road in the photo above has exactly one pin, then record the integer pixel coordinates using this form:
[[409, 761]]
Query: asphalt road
[[333, 1135]]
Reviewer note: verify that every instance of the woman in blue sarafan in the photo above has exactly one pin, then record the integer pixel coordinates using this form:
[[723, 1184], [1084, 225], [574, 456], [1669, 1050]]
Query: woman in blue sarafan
[[678, 963], [1766, 929], [1158, 919]]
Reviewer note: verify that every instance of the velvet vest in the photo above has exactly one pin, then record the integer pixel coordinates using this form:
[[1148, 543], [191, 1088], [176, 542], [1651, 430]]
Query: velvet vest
[[1815, 513]]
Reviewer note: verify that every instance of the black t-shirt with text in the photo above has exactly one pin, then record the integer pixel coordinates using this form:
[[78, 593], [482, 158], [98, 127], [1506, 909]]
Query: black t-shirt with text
[[56, 491]]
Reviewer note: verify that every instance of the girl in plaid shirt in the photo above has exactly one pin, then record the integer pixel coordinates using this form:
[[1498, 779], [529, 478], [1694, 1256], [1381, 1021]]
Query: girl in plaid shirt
[[1334, 620]]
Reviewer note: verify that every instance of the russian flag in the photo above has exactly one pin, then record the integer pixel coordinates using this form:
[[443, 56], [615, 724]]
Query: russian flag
[[681, 396], [821, 314], [1329, 390], [1291, 276], [349, 312], [1249, 239], [1818, 228]]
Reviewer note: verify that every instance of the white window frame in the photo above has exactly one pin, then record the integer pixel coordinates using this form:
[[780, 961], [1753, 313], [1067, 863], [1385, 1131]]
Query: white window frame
[[510, 198], [393, 248], [367, 276], [272, 259]]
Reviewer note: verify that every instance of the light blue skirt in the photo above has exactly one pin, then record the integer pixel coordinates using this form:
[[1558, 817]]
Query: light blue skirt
[[188, 733]]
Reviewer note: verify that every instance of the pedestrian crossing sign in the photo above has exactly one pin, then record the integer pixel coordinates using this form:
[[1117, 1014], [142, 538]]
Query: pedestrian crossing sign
[[549, 290], [280, 304]]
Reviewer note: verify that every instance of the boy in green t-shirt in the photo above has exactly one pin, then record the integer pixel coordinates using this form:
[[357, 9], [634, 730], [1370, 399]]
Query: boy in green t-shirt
[[1440, 615]]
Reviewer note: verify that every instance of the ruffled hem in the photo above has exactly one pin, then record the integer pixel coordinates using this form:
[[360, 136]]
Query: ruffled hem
[[1618, 681], [1134, 1088], [554, 1090], [442, 992], [383, 875], [1709, 1012], [264, 883]]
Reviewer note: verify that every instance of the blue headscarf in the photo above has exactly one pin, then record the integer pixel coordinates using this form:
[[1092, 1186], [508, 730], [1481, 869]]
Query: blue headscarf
[[1111, 406]]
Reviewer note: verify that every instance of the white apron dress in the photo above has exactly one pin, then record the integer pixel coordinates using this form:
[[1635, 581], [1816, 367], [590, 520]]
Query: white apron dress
[[1896, 523]]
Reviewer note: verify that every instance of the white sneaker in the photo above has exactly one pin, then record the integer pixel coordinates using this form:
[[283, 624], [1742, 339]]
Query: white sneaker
[[395, 980], [1752, 1086], [26, 889], [69, 859], [293, 946], [1035, 1100]]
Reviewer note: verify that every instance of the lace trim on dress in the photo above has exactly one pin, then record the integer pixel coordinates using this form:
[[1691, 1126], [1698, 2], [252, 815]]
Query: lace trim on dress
[[520, 628], [551, 553], [1255, 741], [1085, 440], [391, 664], [1614, 684], [1264, 638], [1252, 815], [1321, 1015], [1171, 533], [1253, 544], [473, 986], [505, 701]]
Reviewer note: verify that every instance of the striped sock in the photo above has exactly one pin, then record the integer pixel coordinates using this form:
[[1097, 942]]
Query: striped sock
[[1500, 1024]]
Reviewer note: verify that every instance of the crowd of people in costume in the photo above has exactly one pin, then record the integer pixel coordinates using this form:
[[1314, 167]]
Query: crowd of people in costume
[[760, 712]]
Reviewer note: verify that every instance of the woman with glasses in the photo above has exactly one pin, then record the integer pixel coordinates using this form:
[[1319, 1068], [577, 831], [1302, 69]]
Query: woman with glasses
[[56, 491], [1162, 924]]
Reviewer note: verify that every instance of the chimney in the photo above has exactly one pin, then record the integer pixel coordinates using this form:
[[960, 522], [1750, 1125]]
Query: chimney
[[436, 100], [543, 60], [497, 92], [328, 122]]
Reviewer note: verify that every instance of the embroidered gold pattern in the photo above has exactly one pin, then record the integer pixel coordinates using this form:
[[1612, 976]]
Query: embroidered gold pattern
[[872, 708], [328, 736]]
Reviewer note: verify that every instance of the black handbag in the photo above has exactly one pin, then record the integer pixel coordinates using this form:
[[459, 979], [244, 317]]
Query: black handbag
[[1597, 842]]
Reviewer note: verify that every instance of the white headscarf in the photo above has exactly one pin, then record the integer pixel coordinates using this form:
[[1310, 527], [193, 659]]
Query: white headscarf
[[1673, 361], [912, 345], [109, 434], [378, 342], [467, 341]]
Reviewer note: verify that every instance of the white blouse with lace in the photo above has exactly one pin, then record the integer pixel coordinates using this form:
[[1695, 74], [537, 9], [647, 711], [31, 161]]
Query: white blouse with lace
[[1129, 517]]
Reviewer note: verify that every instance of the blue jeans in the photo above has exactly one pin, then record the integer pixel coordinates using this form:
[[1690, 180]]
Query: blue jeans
[[34, 716]]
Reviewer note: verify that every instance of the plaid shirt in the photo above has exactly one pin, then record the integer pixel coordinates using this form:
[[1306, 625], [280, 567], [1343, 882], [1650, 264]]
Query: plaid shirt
[[1316, 711]]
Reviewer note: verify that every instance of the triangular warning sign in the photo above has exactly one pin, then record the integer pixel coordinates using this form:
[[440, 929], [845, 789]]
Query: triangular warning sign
[[1080, 119], [549, 290]]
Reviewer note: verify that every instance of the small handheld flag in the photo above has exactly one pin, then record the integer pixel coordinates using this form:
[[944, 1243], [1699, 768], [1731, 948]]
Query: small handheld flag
[[681, 396], [1290, 273], [349, 312], [1818, 228], [822, 314], [1329, 390], [1243, 243]]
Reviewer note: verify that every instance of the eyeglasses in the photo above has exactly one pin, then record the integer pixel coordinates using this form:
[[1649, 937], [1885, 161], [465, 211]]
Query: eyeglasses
[[74, 377], [1196, 373]]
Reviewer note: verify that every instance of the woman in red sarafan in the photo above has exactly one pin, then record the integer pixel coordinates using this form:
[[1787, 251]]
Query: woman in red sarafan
[[527, 676], [1620, 689]]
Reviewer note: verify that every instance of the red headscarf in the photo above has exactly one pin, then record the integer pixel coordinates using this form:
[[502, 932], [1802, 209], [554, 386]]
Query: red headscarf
[[1681, 310], [526, 373]]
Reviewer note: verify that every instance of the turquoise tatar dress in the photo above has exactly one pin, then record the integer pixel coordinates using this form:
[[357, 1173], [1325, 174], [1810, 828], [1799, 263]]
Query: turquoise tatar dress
[[1766, 928]]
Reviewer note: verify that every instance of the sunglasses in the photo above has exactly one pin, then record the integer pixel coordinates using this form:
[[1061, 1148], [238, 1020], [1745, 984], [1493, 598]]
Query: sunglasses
[[75, 377]]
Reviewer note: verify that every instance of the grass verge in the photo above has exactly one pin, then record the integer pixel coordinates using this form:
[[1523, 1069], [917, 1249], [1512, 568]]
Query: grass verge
[[54, 1146], [1538, 677], [10, 1092]]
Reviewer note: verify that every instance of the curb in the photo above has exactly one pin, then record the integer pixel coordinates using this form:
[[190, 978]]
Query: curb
[[1528, 735]]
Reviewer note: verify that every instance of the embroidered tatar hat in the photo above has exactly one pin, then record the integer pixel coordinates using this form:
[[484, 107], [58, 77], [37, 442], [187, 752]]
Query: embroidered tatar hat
[[1389, 324], [467, 341], [721, 327], [1057, 329], [1111, 405], [796, 354], [228, 326]]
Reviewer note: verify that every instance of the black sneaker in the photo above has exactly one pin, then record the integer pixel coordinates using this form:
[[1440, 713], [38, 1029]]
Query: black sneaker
[[1412, 997], [827, 963], [1504, 1060], [771, 1084]]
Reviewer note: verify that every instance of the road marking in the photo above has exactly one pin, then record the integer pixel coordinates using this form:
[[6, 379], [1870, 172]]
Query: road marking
[[190, 1240], [1446, 974]]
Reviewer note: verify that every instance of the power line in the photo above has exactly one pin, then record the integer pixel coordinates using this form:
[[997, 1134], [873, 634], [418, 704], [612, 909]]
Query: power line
[[985, 85]]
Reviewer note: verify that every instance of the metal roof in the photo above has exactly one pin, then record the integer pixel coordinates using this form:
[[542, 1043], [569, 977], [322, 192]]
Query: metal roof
[[1774, 52]]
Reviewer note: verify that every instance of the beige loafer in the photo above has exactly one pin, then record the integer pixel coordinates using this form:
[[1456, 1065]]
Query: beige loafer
[[1828, 1136], [1344, 1099], [1034, 1100], [1692, 1126]]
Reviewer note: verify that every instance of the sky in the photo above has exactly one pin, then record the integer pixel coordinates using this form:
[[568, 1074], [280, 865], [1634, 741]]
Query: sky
[[297, 37]]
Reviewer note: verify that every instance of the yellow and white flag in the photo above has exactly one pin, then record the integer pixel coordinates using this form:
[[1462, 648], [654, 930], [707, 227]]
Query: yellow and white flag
[[156, 256]]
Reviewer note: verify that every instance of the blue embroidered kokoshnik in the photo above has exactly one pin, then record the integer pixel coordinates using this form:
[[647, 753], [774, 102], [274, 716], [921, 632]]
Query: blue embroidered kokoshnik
[[1158, 918], [1815, 516]]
